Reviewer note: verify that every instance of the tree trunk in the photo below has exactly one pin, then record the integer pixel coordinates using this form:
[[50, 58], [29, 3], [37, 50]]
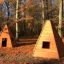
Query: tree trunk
[[60, 18], [16, 19], [43, 10]]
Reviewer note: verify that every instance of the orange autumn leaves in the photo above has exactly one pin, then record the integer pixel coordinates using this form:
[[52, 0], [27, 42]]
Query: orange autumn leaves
[[1, 1]]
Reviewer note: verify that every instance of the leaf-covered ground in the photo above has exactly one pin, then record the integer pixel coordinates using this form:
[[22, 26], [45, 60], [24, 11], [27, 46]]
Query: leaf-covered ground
[[22, 55], [17, 54]]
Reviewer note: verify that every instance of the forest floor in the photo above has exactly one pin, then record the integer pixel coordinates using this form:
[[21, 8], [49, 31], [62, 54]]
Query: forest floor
[[21, 55]]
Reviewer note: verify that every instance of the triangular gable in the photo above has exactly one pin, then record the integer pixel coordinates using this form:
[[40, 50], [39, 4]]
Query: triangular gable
[[49, 45], [5, 37]]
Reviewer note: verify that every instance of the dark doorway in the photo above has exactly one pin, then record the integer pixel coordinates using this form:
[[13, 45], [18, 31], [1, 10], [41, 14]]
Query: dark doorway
[[46, 44], [4, 42]]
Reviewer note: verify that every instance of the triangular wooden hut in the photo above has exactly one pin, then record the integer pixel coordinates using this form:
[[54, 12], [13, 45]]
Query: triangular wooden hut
[[5, 40], [49, 45]]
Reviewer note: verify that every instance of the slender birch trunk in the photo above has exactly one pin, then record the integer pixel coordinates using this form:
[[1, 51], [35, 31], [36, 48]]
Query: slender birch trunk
[[60, 18], [43, 10], [17, 19]]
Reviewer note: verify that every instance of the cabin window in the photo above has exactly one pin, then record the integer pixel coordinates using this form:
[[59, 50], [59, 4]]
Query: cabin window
[[46, 44], [4, 42]]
